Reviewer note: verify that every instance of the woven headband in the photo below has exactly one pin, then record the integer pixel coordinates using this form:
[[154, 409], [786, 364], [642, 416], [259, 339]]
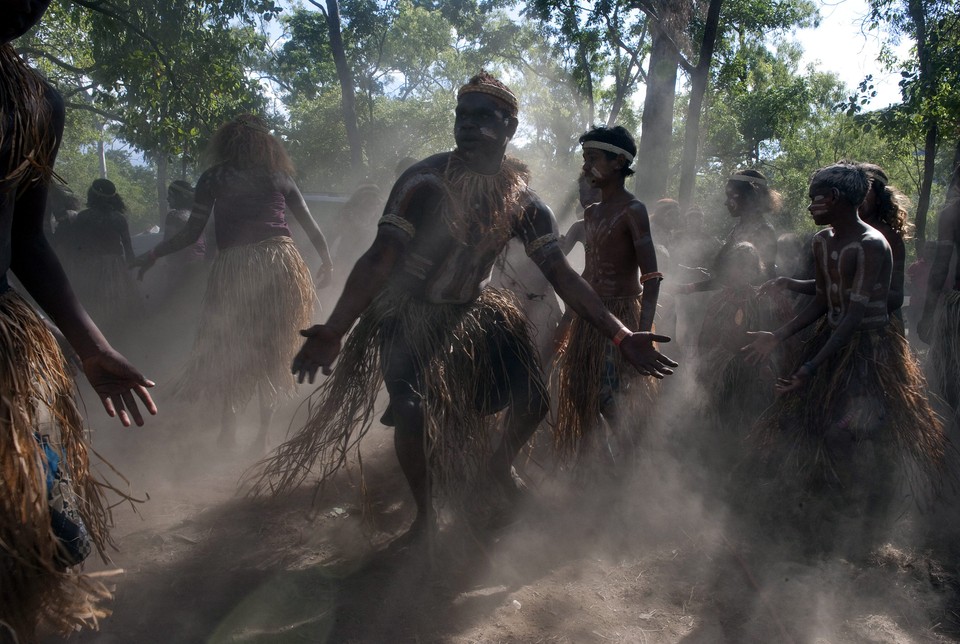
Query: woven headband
[[759, 181], [101, 193], [607, 147], [504, 95]]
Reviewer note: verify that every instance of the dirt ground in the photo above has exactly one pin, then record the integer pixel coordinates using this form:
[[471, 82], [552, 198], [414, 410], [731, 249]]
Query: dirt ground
[[656, 555]]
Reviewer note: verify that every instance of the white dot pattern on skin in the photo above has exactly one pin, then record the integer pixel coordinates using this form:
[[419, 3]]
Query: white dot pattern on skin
[[833, 255], [834, 288]]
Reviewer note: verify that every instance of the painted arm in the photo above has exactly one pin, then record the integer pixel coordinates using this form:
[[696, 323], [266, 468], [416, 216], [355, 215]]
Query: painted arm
[[646, 253], [203, 200], [367, 278], [805, 287], [576, 233], [765, 342], [298, 206]]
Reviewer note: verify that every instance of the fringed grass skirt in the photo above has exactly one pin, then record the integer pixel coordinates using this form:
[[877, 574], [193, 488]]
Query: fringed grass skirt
[[737, 392], [258, 297], [944, 363], [871, 396], [450, 346], [37, 398], [592, 374]]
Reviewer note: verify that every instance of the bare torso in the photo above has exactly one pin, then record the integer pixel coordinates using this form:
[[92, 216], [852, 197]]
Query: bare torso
[[612, 233], [841, 264]]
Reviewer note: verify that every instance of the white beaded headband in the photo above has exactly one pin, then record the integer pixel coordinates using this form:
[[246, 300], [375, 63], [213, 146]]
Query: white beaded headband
[[607, 147]]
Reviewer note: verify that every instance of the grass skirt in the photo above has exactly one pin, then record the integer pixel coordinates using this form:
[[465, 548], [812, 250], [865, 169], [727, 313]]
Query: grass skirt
[[945, 350], [592, 373], [258, 297], [450, 344], [37, 397], [869, 397], [737, 392]]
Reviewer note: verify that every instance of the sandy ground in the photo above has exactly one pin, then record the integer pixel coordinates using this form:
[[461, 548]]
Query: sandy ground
[[654, 556]]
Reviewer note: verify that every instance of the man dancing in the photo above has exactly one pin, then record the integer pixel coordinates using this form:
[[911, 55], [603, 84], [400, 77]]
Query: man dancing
[[856, 405], [450, 351], [594, 378]]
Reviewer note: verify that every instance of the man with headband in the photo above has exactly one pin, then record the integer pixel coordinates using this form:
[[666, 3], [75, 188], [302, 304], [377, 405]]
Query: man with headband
[[750, 200], [450, 350], [596, 383]]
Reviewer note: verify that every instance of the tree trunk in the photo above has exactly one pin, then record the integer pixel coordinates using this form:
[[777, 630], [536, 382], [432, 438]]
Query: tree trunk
[[698, 87], [586, 86], [656, 136], [928, 87], [101, 152], [348, 102], [923, 202]]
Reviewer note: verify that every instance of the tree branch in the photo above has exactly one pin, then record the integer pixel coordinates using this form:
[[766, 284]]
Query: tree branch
[[110, 13], [39, 53], [96, 110]]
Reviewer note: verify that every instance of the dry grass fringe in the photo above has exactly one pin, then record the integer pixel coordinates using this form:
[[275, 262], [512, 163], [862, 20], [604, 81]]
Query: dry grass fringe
[[27, 142], [874, 380], [450, 345], [483, 208], [35, 386], [258, 297], [584, 365]]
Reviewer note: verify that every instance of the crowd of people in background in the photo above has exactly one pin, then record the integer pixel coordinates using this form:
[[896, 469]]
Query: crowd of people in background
[[799, 345]]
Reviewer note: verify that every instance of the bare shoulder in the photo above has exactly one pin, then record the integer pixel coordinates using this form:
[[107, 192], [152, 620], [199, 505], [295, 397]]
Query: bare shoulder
[[873, 241]]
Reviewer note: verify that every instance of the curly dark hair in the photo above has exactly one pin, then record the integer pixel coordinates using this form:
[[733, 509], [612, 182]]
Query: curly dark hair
[[891, 203], [245, 143], [756, 195], [616, 135], [102, 195]]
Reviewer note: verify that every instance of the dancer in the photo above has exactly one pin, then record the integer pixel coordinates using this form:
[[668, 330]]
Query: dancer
[[259, 291], [101, 252], [749, 199], [596, 385], [449, 350], [871, 409], [52, 510]]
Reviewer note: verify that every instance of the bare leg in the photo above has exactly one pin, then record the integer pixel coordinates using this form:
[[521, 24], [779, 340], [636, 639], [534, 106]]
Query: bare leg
[[408, 441], [267, 408], [527, 410]]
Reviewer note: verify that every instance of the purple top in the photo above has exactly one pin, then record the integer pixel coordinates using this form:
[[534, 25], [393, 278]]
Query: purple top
[[242, 218]]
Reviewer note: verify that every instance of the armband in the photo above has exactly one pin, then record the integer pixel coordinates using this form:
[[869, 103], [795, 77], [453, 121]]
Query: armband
[[646, 277], [540, 242], [398, 222]]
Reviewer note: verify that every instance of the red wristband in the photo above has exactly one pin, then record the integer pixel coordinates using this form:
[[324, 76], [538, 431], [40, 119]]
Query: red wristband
[[621, 335]]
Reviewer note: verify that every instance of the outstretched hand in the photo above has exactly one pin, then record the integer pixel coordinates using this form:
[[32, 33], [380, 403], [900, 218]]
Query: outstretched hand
[[795, 382], [762, 346], [320, 349], [639, 351], [776, 284], [145, 262], [116, 381]]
